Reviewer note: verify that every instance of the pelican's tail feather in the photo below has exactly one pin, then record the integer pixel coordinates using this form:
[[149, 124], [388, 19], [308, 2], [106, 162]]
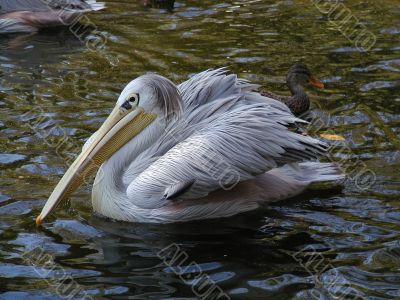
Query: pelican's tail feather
[[311, 174]]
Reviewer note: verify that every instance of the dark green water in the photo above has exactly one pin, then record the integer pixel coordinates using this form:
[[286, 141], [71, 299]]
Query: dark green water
[[340, 244]]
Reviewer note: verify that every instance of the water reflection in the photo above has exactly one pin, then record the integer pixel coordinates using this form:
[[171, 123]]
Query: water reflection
[[39, 48]]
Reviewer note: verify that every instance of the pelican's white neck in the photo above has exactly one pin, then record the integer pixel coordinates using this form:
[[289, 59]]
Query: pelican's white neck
[[109, 196]]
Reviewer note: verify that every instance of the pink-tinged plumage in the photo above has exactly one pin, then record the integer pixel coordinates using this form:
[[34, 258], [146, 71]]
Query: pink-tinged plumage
[[33, 15]]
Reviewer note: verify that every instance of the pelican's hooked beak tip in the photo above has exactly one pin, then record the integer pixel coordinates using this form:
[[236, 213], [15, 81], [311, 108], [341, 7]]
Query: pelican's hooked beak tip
[[38, 221]]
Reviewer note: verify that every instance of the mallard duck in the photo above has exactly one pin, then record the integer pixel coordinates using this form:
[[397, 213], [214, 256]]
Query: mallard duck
[[297, 78]]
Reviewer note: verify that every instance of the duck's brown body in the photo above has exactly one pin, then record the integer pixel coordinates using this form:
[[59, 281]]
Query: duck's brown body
[[298, 106]]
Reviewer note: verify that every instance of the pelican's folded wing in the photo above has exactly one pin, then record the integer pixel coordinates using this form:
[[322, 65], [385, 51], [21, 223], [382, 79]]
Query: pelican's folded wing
[[237, 138]]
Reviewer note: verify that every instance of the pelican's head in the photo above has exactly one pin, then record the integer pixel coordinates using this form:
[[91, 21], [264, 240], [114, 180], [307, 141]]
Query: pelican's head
[[143, 100], [154, 93]]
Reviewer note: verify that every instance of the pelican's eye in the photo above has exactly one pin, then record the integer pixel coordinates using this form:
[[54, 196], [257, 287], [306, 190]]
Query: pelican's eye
[[131, 101]]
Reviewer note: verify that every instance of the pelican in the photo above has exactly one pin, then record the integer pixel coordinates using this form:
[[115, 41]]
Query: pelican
[[32, 15], [210, 147]]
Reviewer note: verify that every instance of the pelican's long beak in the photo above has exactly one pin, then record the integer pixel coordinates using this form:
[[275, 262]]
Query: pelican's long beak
[[119, 128]]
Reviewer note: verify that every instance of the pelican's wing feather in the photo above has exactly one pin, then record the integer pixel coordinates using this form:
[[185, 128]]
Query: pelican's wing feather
[[231, 135], [211, 85]]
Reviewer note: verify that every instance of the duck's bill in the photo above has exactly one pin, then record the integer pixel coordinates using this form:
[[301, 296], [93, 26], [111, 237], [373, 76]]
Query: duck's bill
[[119, 128], [316, 83]]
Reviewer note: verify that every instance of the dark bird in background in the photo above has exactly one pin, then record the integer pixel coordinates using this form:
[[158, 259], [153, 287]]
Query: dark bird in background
[[33, 15], [297, 78], [163, 4]]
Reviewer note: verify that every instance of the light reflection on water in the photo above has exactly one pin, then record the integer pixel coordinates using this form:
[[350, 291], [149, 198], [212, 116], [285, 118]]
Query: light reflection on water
[[249, 256]]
